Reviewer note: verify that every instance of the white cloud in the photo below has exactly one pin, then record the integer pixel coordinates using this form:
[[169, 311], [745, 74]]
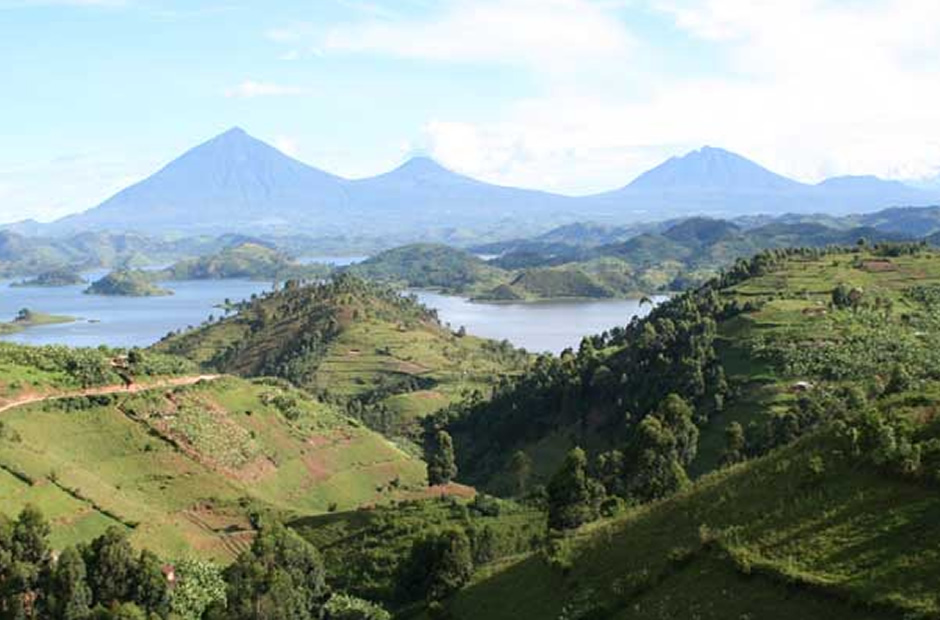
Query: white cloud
[[250, 89], [811, 89], [546, 35], [287, 145]]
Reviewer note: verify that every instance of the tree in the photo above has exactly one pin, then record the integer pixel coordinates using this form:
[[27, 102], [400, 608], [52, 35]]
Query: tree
[[281, 578], [112, 567], [150, 589], [437, 566], [735, 444], [30, 532], [652, 464], [572, 498], [199, 584], [521, 467], [346, 607], [442, 466], [66, 593]]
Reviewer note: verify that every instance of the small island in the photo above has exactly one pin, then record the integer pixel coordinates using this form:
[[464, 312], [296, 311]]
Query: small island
[[127, 283], [53, 278], [27, 318], [249, 260]]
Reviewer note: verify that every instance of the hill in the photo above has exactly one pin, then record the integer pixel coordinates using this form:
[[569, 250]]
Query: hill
[[182, 461], [764, 446], [54, 278], [248, 260], [382, 354], [127, 283], [427, 265]]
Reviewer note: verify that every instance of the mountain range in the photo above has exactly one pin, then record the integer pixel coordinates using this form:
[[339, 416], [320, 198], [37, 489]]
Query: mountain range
[[236, 183]]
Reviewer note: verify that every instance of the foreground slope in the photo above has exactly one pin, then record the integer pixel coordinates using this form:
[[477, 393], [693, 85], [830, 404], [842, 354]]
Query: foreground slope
[[182, 461], [780, 537]]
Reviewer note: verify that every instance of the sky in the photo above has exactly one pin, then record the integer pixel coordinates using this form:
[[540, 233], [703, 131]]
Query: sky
[[572, 96]]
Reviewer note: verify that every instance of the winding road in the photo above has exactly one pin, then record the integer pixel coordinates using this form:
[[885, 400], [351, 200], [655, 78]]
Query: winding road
[[108, 389]]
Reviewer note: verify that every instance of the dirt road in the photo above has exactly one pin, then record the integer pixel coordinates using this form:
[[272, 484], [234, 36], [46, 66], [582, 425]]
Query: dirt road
[[109, 389]]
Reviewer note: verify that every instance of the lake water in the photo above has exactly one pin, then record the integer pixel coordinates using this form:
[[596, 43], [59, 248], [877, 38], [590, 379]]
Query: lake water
[[544, 326], [141, 321]]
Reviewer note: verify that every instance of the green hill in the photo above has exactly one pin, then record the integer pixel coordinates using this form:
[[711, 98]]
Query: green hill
[[430, 265], [127, 283], [765, 446], [248, 260], [184, 468], [53, 278], [382, 354], [807, 532], [549, 283]]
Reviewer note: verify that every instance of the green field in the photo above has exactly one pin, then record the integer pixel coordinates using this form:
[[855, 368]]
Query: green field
[[184, 468]]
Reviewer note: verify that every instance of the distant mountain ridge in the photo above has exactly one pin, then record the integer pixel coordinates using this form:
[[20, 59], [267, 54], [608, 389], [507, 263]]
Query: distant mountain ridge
[[236, 183]]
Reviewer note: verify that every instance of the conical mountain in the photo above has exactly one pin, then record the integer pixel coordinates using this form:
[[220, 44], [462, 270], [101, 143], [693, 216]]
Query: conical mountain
[[711, 169], [232, 182]]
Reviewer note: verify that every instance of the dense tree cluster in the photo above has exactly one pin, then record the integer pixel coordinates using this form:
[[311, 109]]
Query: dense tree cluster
[[281, 577]]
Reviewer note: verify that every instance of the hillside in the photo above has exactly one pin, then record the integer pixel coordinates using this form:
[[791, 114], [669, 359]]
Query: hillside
[[54, 278], [184, 468], [806, 532], [248, 260], [427, 265], [383, 355], [127, 283]]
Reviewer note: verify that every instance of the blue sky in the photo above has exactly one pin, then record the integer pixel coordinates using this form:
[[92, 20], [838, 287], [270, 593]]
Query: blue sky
[[572, 96]]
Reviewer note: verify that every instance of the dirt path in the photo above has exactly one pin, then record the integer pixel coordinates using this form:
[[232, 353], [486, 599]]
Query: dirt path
[[110, 389]]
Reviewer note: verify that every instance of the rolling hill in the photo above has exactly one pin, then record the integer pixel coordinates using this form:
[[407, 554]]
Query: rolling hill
[[182, 461], [363, 344]]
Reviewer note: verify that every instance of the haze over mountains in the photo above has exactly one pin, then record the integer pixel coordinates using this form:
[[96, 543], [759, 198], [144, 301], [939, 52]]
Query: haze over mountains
[[236, 183]]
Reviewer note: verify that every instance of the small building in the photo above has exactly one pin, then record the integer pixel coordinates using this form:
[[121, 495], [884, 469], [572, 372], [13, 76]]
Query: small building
[[801, 387]]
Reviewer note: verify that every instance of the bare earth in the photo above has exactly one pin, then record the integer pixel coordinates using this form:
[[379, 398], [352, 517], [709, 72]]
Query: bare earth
[[109, 389]]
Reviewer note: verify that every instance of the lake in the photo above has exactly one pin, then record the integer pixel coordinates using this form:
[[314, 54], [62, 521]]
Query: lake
[[141, 321], [542, 326]]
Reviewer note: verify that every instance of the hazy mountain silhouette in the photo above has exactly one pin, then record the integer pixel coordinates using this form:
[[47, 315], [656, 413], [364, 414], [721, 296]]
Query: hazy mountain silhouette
[[236, 183]]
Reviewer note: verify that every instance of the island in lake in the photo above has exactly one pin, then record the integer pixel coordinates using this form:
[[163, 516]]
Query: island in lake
[[27, 318], [53, 278], [127, 283]]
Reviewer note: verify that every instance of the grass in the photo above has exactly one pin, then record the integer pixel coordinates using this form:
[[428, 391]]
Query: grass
[[185, 468], [766, 539]]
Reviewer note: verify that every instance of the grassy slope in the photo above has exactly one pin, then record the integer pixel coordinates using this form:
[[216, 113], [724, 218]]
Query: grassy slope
[[184, 468], [797, 313], [766, 539], [371, 337], [770, 538]]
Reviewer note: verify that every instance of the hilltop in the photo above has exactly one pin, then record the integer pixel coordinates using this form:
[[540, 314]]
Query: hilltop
[[127, 283], [429, 265], [382, 354], [249, 260]]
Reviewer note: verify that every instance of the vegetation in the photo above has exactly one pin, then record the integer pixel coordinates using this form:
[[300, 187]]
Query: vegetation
[[428, 265], [280, 576], [249, 260], [53, 278], [27, 318], [127, 283], [381, 355]]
